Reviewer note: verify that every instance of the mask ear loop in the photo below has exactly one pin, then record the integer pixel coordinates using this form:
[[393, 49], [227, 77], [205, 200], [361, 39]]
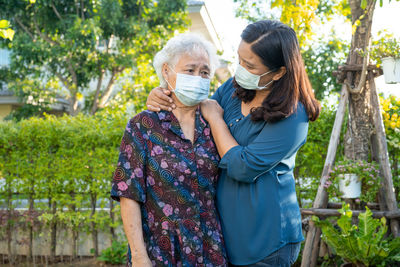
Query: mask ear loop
[[265, 86], [172, 89]]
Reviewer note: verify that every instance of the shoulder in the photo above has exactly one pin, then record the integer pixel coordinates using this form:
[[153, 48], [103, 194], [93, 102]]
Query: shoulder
[[297, 121], [227, 87], [224, 92], [144, 119], [300, 113]]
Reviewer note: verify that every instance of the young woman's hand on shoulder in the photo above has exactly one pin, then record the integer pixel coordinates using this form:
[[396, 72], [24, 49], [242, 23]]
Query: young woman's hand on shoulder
[[211, 110], [158, 99]]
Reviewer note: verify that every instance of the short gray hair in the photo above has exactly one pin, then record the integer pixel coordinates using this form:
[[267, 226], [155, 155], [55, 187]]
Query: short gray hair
[[179, 45]]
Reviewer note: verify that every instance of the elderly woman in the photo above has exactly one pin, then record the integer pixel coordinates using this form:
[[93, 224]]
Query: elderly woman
[[168, 167]]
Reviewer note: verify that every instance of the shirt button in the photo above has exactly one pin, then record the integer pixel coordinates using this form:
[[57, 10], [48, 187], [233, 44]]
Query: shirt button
[[237, 120]]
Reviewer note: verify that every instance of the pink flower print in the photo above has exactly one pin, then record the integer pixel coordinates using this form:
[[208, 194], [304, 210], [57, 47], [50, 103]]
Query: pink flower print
[[182, 166], [200, 161], [150, 180], [122, 186], [127, 165], [138, 172], [167, 210], [164, 164], [150, 217], [128, 150], [158, 150], [207, 131], [164, 225], [187, 250], [181, 178]]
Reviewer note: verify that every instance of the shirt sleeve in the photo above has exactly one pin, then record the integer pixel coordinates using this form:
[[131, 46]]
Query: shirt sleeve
[[275, 142], [129, 176]]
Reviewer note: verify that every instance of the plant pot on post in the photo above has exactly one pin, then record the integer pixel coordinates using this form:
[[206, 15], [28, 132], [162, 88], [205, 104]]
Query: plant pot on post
[[391, 69], [350, 185]]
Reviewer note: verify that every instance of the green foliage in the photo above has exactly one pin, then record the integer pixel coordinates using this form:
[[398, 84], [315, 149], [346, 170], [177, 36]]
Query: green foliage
[[364, 243], [367, 173], [390, 113], [65, 161], [116, 254], [321, 60], [80, 50], [385, 46], [311, 156]]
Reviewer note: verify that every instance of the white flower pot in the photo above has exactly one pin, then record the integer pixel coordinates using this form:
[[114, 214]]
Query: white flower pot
[[391, 69], [350, 186]]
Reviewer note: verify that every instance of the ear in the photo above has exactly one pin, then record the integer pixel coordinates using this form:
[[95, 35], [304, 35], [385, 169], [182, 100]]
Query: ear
[[279, 73], [164, 70]]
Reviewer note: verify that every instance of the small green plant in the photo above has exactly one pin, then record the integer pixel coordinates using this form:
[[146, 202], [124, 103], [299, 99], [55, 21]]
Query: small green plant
[[367, 173], [363, 244], [116, 254], [386, 46]]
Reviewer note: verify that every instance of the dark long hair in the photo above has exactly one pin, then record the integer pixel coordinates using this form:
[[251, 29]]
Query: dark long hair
[[277, 46]]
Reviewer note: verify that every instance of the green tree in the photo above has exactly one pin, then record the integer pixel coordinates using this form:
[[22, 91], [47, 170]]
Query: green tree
[[64, 48]]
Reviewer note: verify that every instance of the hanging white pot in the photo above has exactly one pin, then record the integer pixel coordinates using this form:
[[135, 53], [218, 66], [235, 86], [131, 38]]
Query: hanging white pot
[[350, 186], [391, 69]]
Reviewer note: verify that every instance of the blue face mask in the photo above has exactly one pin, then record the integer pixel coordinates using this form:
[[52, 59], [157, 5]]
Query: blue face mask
[[191, 90], [249, 80]]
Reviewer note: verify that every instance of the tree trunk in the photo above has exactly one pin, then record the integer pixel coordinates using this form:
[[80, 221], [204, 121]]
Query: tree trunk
[[9, 226], [53, 233], [94, 229], [30, 218], [112, 216], [359, 128]]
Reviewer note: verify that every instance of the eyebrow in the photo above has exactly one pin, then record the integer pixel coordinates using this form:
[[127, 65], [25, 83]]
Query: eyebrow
[[194, 66], [248, 63]]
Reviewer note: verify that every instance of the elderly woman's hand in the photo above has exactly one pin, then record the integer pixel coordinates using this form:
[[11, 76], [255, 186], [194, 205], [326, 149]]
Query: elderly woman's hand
[[211, 110], [158, 99]]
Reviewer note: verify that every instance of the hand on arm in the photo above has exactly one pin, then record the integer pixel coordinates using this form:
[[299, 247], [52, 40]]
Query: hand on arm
[[158, 99], [132, 220], [213, 113]]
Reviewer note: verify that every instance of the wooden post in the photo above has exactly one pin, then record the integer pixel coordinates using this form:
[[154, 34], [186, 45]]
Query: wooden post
[[387, 182], [310, 252]]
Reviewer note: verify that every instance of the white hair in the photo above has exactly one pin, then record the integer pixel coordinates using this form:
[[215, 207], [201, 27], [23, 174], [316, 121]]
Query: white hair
[[185, 43]]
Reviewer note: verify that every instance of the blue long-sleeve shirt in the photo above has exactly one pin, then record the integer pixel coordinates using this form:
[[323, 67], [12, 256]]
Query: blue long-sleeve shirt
[[256, 195]]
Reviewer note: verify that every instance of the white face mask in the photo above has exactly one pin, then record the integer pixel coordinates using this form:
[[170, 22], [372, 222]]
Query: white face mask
[[190, 90], [249, 80]]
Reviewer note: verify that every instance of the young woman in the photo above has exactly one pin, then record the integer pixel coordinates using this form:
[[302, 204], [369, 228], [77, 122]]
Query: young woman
[[259, 120], [168, 168]]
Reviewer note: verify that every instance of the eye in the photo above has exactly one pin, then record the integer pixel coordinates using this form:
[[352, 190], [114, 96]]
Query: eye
[[190, 70], [205, 73]]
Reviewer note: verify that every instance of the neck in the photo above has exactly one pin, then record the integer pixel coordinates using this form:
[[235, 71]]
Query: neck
[[183, 112], [261, 95]]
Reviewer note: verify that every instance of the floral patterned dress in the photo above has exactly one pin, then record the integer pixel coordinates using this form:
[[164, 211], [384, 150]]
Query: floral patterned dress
[[174, 180]]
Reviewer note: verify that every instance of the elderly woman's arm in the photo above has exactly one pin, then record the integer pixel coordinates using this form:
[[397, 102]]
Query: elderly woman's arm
[[132, 220]]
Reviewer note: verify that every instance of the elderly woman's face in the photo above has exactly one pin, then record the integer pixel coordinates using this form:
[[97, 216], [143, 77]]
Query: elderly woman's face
[[196, 64]]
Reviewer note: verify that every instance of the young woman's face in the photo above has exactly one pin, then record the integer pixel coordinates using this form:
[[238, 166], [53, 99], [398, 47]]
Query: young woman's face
[[251, 62]]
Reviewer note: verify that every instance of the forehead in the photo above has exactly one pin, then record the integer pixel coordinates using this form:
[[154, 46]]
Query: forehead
[[246, 54], [194, 58]]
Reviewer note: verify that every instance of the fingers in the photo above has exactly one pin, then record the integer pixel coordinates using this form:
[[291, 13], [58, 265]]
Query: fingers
[[153, 108], [163, 95], [156, 106]]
